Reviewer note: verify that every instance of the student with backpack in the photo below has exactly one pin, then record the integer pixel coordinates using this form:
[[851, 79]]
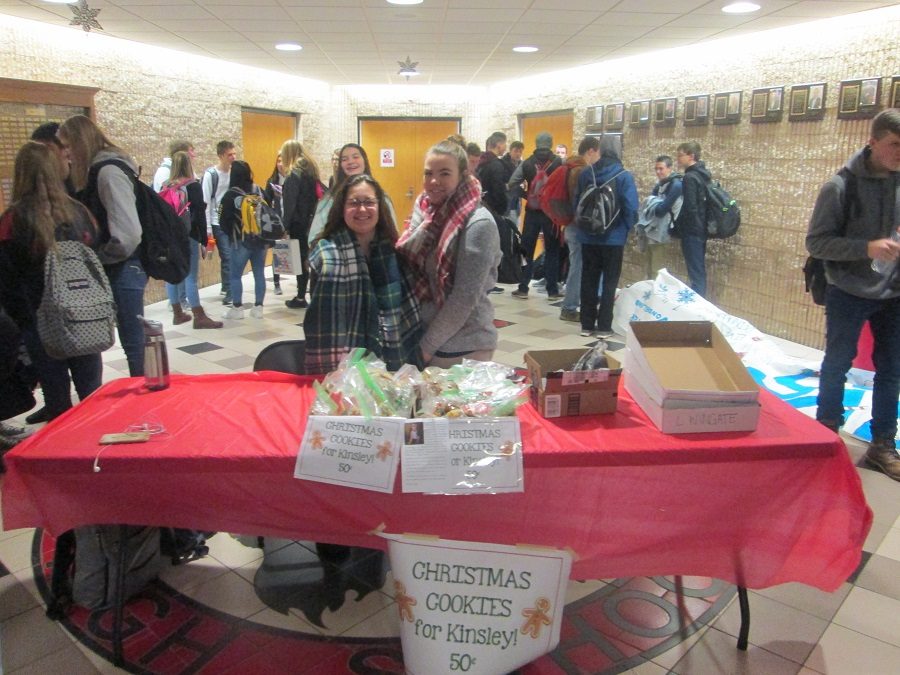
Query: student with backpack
[[245, 247], [215, 183], [113, 205], [603, 243], [690, 225], [183, 192], [535, 171], [40, 215]]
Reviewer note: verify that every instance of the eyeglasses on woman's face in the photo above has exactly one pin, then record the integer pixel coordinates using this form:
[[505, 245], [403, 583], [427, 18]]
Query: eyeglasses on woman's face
[[357, 204]]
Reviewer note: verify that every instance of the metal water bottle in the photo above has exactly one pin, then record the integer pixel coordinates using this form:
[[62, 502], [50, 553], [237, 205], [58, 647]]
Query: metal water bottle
[[156, 358]]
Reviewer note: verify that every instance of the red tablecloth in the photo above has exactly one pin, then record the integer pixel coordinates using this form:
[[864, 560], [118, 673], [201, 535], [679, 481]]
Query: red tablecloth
[[780, 504]]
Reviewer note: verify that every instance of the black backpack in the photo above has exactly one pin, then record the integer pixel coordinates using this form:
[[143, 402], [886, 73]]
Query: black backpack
[[598, 206], [165, 244], [814, 268], [723, 213], [510, 269]]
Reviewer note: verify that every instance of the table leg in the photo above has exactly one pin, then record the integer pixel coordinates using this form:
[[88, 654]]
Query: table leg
[[118, 609], [744, 633]]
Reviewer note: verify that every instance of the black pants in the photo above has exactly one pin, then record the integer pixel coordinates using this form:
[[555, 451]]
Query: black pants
[[597, 261]]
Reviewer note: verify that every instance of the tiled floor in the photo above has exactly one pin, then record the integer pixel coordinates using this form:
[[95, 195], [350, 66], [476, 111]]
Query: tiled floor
[[795, 629]]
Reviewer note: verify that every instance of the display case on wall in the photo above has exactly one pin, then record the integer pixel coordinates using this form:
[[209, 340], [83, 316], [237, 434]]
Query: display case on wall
[[696, 110], [859, 98]]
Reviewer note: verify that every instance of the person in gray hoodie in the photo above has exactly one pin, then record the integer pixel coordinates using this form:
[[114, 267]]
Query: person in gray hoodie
[[114, 208], [855, 228]]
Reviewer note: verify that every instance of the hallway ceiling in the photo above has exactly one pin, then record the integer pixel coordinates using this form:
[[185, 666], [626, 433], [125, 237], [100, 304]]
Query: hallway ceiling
[[463, 42]]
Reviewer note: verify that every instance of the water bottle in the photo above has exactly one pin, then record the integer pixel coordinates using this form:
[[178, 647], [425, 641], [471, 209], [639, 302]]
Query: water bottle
[[885, 267], [156, 359]]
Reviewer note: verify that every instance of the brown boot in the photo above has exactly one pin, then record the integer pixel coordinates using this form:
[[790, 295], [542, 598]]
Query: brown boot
[[179, 315], [203, 321]]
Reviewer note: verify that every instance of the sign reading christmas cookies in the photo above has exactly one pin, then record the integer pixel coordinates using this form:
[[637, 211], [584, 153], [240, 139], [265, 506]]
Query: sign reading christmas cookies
[[472, 607]]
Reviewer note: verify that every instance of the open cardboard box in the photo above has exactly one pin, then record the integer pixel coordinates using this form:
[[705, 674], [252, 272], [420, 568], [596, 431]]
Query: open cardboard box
[[688, 360], [686, 416], [558, 391]]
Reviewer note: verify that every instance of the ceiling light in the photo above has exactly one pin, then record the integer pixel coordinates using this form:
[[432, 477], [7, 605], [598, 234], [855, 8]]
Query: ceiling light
[[525, 49], [62, 2], [404, 2], [288, 47], [740, 8]]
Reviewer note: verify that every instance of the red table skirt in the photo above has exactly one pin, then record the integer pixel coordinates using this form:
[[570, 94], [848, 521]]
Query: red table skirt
[[783, 503]]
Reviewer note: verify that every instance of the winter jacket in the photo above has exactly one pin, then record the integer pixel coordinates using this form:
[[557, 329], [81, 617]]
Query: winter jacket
[[527, 170], [843, 245], [493, 174], [626, 198], [691, 220], [298, 201]]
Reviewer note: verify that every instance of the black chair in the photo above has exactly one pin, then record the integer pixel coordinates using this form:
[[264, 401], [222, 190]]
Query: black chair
[[285, 356]]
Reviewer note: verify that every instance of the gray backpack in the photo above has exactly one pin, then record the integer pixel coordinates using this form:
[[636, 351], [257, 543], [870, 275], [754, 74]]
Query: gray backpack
[[97, 550], [77, 315]]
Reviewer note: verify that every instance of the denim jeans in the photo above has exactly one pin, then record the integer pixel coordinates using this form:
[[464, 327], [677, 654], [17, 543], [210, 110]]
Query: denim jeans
[[128, 280], [187, 289], [596, 262], [573, 281], [53, 374], [535, 223], [223, 244], [241, 253], [694, 251], [845, 315]]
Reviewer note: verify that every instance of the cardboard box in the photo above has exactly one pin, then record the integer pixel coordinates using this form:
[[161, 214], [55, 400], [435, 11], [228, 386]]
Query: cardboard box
[[687, 360], [686, 416], [558, 391]]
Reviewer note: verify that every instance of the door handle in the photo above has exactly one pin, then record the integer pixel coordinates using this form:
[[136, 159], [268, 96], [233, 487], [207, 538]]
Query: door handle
[[410, 194]]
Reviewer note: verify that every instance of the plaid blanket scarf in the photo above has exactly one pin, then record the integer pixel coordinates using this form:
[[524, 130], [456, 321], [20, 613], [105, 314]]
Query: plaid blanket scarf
[[359, 302], [430, 227]]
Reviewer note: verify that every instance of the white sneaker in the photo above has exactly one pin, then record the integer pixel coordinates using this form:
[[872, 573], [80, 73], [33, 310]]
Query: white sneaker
[[235, 313], [604, 334], [257, 312]]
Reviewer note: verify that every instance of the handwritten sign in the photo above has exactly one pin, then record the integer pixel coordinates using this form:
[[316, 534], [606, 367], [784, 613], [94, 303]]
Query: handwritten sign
[[472, 607], [463, 456], [352, 451]]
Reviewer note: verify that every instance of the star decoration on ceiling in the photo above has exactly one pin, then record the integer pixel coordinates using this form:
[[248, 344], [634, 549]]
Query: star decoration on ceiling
[[85, 17], [407, 66]]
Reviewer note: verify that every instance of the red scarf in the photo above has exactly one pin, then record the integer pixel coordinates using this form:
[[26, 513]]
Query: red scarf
[[430, 226]]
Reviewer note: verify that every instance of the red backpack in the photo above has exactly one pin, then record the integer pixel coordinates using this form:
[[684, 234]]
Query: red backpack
[[554, 200], [537, 184]]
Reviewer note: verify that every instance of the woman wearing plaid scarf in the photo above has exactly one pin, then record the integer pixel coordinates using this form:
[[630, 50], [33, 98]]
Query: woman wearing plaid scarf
[[453, 248], [360, 295]]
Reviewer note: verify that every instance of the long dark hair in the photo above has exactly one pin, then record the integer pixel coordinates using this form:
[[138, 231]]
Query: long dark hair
[[341, 176], [241, 176], [384, 228]]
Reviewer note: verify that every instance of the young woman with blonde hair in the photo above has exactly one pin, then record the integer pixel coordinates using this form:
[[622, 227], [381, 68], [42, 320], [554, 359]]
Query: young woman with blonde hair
[[300, 194], [113, 206], [41, 214]]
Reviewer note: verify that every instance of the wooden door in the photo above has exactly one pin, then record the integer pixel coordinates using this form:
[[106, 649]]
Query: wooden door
[[560, 125], [409, 139], [263, 134]]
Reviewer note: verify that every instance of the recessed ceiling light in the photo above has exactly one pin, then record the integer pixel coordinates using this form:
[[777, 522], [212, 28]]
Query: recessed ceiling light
[[740, 8], [525, 49], [404, 2], [288, 47], [62, 2]]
